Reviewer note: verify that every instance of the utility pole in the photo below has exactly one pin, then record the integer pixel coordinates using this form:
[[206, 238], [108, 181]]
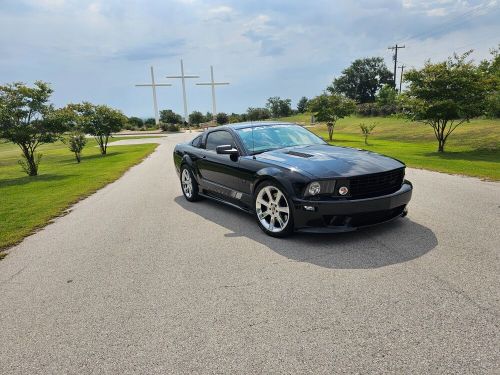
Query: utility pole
[[401, 76], [213, 84], [154, 85], [183, 78], [395, 58]]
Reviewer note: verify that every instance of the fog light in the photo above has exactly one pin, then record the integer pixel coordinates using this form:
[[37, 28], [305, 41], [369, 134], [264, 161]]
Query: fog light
[[309, 208], [343, 190], [314, 188]]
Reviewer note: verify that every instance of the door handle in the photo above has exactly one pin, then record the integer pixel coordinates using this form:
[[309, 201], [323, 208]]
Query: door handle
[[204, 156]]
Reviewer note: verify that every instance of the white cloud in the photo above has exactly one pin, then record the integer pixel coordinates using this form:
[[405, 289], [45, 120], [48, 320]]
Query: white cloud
[[437, 12], [223, 9], [97, 49]]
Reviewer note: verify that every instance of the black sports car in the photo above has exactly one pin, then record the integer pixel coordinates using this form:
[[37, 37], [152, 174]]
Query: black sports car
[[290, 179]]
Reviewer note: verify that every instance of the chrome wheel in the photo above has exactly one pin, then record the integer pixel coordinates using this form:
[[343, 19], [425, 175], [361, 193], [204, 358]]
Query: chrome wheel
[[187, 183], [272, 209]]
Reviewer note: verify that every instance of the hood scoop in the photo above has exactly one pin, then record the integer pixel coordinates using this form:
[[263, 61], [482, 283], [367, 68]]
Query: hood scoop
[[299, 154]]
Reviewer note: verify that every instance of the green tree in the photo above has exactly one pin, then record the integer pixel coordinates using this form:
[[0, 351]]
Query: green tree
[[256, 114], [362, 79], [76, 143], [222, 118], [196, 118], [167, 116], [29, 120], [100, 121], [386, 96], [279, 107], [445, 95], [491, 72], [136, 122], [150, 122], [302, 104], [234, 117], [209, 116], [329, 108]]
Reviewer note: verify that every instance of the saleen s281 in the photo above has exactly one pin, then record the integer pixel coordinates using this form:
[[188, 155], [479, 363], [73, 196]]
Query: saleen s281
[[292, 180]]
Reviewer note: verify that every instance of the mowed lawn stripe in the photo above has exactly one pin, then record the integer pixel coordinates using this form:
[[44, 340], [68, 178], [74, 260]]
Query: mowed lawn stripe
[[27, 203]]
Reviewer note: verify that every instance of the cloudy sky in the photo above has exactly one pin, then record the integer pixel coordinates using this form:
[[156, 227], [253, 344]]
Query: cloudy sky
[[97, 50]]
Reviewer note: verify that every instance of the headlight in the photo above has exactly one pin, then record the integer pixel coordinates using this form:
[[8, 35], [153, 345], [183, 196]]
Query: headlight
[[317, 187], [314, 188]]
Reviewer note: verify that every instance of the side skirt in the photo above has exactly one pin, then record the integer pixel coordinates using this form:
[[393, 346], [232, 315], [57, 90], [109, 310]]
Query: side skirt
[[220, 200]]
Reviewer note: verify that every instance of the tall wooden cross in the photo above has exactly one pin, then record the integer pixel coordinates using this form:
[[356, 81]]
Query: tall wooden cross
[[154, 85], [213, 84], [183, 78]]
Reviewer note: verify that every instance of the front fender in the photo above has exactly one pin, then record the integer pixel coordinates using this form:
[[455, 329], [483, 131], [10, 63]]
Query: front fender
[[292, 181]]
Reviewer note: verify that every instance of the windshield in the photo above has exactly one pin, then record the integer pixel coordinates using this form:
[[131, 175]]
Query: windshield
[[272, 137]]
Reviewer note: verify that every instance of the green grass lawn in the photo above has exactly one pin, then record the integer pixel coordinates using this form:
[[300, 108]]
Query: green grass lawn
[[473, 149], [27, 203]]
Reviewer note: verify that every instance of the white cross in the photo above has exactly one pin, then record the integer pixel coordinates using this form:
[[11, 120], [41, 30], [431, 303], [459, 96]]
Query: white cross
[[153, 85], [183, 77], [213, 84]]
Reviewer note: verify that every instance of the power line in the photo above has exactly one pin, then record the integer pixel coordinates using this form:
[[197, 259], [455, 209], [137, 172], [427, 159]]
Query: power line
[[451, 22]]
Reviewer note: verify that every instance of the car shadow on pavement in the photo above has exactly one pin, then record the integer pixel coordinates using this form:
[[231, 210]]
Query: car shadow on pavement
[[396, 242]]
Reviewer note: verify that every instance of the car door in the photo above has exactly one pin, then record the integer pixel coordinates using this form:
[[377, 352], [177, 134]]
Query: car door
[[219, 172]]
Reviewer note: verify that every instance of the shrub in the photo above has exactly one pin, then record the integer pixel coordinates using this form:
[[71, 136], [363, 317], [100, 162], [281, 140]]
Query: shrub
[[367, 130], [170, 127], [367, 109], [222, 118], [76, 143]]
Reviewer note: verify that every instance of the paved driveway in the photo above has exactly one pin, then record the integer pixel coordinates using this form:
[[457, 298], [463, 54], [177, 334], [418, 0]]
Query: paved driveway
[[137, 280]]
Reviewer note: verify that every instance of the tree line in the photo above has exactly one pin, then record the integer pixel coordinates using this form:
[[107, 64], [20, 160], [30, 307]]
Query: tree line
[[442, 95], [29, 120]]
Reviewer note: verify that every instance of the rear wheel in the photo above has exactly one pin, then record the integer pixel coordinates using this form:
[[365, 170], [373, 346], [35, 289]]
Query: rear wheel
[[189, 185], [273, 210]]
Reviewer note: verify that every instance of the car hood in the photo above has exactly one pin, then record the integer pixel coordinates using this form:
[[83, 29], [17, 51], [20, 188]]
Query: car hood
[[325, 161]]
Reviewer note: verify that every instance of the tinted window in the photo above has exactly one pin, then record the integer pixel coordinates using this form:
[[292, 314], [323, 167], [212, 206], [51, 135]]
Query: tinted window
[[219, 138], [196, 142]]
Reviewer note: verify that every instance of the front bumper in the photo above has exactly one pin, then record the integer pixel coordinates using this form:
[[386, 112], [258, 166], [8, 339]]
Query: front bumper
[[348, 215]]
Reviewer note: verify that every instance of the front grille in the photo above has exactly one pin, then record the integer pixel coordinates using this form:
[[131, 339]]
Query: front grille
[[376, 184]]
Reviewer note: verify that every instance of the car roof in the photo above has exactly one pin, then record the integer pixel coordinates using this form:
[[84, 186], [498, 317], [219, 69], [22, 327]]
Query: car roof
[[253, 124]]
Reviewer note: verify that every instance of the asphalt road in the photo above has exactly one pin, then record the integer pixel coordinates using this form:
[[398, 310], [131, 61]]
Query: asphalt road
[[135, 280]]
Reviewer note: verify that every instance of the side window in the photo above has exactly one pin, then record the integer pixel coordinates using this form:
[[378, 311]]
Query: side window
[[219, 138], [196, 142]]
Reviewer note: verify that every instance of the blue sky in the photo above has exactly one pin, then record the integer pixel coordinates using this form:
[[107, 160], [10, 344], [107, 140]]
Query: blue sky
[[97, 50]]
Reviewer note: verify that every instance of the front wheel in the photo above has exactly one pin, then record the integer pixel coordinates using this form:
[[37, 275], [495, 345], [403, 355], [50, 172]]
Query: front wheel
[[273, 210], [189, 185]]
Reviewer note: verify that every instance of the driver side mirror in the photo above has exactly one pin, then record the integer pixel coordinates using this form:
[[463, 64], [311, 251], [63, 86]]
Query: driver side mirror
[[226, 150]]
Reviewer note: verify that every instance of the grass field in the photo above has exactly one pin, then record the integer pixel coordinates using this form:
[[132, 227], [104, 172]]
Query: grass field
[[27, 203], [473, 149]]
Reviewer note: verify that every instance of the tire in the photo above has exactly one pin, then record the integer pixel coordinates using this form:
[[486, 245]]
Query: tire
[[273, 210], [189, 186]]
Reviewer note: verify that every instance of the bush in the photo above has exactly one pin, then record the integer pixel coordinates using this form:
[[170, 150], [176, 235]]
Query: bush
[[222, 118], [375, 109], [76, 143], [170, 127], [367, 109], [135, 122]]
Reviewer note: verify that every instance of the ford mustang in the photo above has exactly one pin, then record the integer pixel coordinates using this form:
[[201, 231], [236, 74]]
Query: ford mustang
[[292, 180]]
